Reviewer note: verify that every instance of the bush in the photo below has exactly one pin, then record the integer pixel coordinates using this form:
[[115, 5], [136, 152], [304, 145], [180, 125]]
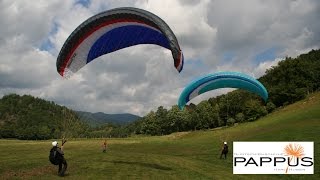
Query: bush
[[230, 122], [270, 107], [240, 117]]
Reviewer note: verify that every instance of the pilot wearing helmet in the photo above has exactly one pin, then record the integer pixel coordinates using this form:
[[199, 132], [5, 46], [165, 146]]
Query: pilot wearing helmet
[[56, 157], [224, 150]]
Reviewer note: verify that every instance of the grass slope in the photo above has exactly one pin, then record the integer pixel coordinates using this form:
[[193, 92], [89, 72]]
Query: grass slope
[[186, 155]]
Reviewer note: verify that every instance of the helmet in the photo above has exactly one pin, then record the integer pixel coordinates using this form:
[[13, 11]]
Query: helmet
[[225, 143], [54, 143]]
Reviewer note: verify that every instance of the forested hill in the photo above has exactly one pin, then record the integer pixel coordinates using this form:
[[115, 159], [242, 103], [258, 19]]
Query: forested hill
[[293, 78], [27, 117], [100, 118]]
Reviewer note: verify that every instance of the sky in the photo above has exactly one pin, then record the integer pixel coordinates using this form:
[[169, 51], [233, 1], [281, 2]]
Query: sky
[[214, 35]]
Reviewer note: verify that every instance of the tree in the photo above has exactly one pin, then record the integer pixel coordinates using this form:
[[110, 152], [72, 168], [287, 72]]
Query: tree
[[150, 126], [240, 117], [174, 118], [254, 110], [204, 110], [230, 122], [162, 120], [270, 107]]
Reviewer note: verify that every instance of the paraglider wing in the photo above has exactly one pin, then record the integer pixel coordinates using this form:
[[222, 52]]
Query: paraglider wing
[[221, 80], [112, 30]]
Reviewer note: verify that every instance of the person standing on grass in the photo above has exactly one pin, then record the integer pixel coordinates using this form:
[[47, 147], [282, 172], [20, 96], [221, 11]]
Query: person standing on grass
[[56, 157], [224, 150], [104, 146]]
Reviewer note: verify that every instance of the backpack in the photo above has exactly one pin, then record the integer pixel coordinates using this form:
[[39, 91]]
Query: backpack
[[225, 148], [54, 156]]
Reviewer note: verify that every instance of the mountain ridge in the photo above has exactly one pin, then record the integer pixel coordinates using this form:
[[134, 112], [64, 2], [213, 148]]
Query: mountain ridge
[[101, 118]]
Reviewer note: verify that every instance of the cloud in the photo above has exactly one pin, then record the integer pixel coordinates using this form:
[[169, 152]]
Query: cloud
[[252, 26], [187, 20], [27, 71], [248, 37], [260, 70]]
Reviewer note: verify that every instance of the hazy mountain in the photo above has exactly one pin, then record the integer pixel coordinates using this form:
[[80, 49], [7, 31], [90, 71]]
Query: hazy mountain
[[100, 118]]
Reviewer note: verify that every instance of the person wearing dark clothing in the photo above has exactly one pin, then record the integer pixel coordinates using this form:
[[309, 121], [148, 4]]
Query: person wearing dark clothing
[[57, 158], [224, 150]]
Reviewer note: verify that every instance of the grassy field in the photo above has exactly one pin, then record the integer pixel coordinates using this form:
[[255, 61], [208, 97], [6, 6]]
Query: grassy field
[[185, 155]]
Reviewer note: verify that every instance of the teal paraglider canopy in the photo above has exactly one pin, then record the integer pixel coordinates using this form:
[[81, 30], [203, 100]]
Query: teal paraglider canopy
[[221, 80]]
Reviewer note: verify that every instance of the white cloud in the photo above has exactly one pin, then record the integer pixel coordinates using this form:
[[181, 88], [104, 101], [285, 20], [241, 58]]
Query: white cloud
[[188, 21], [260, 70], [141, 78]]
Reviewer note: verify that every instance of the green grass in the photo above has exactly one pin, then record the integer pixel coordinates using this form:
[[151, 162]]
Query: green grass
[[189, 155]]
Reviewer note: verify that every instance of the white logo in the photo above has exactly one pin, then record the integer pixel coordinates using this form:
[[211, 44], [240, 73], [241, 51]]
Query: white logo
[[273, 158]]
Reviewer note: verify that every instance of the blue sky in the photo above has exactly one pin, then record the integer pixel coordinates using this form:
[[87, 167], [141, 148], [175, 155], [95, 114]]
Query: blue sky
[[267, 55], [47, 45], [85, 3]]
